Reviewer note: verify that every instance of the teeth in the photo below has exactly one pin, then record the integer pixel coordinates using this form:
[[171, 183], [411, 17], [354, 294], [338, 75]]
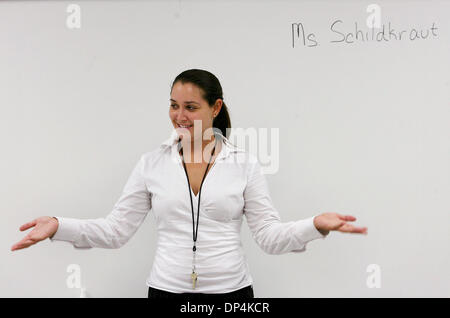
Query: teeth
[[184, 126]]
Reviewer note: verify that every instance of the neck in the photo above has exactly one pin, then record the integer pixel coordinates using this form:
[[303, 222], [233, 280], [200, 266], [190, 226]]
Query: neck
[[195, 150]]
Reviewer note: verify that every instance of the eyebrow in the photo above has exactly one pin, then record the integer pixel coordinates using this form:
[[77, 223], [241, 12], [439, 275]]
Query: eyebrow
[[187, 102]]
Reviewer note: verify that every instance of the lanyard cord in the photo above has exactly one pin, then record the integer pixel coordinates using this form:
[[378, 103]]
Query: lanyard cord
[[195, 231]]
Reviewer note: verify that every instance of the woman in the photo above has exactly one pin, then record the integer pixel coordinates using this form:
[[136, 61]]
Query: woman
[[199, 252]]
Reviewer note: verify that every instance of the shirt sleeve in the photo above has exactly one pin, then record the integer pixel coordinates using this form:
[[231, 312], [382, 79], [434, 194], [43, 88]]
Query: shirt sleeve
[[119, 226], [272, 235]]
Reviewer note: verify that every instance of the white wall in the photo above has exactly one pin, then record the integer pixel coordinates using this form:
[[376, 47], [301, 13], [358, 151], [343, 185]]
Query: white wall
[[364, 130]]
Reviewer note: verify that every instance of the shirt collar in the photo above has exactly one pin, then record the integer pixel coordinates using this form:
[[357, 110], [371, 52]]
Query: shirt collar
[[229, 148]]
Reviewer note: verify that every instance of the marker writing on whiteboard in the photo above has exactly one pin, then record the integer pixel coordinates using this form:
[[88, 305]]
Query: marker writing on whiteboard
[[340, 32]]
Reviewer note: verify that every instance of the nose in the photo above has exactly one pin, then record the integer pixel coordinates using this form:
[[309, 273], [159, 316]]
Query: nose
[[180, 115]]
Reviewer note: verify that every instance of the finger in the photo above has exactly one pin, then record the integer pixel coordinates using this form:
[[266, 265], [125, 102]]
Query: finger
[[22, 244], [348, 228], [26, 226], [347, 217]]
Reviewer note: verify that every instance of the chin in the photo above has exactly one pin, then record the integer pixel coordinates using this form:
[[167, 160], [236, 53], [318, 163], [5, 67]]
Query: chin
[[184, 135]]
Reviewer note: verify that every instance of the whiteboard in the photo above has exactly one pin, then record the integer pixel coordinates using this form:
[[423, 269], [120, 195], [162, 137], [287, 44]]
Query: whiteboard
[[362, 117]]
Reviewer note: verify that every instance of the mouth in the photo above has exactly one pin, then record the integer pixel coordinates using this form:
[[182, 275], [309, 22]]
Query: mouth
[[184, 126]]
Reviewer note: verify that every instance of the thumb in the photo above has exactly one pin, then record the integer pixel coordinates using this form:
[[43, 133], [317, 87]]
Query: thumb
[[26, 226]]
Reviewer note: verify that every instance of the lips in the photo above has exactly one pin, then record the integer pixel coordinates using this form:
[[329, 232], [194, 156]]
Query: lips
[[184, 126]]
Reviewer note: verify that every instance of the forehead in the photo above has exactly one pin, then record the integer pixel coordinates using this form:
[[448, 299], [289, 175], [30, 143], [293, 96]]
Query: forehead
[[183, 92]]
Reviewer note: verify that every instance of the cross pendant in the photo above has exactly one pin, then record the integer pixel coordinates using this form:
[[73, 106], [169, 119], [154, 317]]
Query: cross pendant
[[194, 279]]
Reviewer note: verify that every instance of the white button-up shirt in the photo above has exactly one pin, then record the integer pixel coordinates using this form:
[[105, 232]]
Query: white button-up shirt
[[233, 187]]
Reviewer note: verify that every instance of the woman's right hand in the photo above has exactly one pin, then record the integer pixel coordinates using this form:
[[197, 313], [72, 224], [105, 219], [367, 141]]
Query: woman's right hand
[[44, 227]]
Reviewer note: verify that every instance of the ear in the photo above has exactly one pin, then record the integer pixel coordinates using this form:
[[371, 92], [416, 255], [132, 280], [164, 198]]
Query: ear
[[218, 105]]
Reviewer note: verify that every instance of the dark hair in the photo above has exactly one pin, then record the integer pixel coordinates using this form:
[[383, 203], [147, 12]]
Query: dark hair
[[211, 90]]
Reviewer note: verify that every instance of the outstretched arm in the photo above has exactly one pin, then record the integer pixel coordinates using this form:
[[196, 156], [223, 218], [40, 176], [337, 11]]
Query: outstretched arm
[[113, 231], [276, 237], [272, 235]]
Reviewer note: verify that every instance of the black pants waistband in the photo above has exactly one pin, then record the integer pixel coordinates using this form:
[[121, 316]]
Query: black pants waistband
[[243, 293]]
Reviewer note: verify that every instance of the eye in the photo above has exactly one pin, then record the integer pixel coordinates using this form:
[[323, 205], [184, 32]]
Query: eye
[[188, 107]]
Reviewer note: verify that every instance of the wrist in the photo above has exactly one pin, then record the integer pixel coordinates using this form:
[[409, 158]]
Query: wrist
[[322, 231], [57, 225]]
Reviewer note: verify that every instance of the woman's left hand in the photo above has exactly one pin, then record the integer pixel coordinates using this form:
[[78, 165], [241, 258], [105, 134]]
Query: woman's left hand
[[326, 222]]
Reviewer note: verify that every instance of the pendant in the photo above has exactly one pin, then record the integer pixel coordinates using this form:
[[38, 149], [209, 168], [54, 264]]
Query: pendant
[[194, 279]]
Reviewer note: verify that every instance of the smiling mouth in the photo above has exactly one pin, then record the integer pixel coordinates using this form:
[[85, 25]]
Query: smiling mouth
[[184, 126]]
